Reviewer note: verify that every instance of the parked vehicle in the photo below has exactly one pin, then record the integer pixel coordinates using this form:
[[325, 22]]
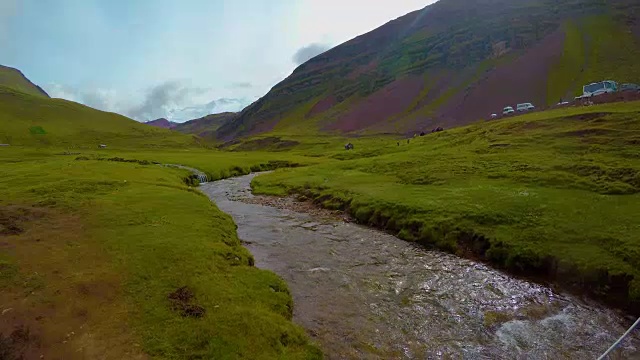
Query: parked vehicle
[[508, 110], [525, 107], [629, 87], [598, 88], [494, 115]]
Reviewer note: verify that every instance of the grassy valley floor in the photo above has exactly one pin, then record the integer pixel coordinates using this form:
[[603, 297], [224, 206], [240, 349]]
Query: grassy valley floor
[[552, 195]]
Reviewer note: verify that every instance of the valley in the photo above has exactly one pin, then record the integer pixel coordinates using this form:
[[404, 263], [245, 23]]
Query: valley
[[486, 192], [368, 206]]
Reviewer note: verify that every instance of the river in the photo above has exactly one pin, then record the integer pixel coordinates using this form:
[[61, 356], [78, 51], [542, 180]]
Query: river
[[364, 294]]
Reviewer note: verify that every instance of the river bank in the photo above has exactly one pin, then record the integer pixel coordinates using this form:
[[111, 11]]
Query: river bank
[[555, 199], [364, 294], [115, 257]]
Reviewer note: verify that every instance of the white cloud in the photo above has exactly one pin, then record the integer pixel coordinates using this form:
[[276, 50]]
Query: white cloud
[[97, 98], [308, 52], [213, 107], [172, 100], [133, 66], [240, 85], [8, 11]]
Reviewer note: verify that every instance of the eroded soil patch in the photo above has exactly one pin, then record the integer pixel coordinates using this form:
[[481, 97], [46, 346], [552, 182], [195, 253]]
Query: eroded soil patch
[[61, 298], [14, 219], [182, 301], [587, 116], [14, 345]]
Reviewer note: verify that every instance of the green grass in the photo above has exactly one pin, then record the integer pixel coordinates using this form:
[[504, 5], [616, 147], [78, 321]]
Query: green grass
[[28, 120], [155, 235], [549, 194], [216, 164], [612, 51], [552, 195], [565, 78]]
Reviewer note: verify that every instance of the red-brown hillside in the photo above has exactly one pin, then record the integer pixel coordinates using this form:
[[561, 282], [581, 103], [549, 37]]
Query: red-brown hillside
[[452, 63], [162, 123]]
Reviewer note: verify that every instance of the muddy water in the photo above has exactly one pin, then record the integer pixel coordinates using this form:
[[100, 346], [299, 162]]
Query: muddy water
[[364, 294]]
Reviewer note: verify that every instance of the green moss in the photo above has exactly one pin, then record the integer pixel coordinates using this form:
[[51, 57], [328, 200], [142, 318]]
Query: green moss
[[37, 130], [495, 318], [8, 271]]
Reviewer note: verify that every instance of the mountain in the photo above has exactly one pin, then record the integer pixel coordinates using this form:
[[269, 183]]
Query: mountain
[[31, 118], [15, 79], [452, 63], [205, 127], [162, 123]]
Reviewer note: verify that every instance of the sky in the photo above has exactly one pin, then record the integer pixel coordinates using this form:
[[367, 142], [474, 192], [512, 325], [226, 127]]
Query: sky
[[180, 60]]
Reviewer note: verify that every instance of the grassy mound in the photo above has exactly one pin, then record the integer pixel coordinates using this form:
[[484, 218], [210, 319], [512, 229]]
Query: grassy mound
[[551, 195]]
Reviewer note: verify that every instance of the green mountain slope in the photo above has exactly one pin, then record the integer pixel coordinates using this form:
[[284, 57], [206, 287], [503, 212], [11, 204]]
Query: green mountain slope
[[14, 79], [452, 63], [34, 120]]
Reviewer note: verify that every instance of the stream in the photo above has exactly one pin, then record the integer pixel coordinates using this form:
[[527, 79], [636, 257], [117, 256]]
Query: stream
[[364, 294]]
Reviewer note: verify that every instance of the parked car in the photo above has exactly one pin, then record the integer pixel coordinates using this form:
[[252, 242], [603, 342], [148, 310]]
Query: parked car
[[508, 110], [629, 87], [525, 107], [494, 115]]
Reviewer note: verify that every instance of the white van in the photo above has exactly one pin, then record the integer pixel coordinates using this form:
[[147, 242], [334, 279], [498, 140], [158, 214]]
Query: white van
[[525, 107]]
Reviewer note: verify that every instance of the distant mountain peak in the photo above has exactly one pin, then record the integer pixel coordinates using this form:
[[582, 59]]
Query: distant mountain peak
[[15, 79], [162, 123], [206, 126]]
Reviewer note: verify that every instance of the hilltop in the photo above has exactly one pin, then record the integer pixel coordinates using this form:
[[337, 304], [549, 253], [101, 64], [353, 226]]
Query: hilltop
[[29, 117], [204, 127], [15, 79], [452, 63], [162, 123]]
